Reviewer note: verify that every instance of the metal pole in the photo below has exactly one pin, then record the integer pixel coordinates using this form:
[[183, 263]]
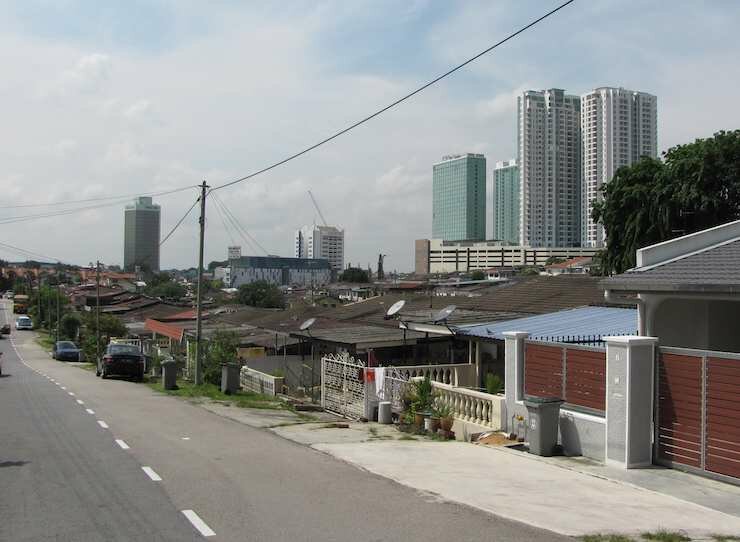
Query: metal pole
[[198, 311], [97, 311], [59, 302]]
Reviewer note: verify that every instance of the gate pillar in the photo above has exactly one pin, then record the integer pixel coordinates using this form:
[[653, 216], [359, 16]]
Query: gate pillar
[[630, 370]]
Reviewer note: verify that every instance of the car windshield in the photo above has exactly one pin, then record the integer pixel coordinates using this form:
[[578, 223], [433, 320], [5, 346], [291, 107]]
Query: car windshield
[[24, 320], [66, 344], [126, 349]]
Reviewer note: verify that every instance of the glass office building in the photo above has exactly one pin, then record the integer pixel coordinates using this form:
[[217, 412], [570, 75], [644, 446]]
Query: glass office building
[[505, 201], [459, 198]]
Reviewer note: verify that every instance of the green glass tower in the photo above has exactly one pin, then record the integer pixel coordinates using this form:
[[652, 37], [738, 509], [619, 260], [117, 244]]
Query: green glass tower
[[459, 198], [506, 202]]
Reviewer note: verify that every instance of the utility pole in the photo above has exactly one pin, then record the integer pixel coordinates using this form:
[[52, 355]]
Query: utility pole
[[198, 308], [97, 310], [59, 302]]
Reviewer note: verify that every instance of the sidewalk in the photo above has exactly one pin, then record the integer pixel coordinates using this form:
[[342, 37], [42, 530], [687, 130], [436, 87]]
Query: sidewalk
[[570, 496]]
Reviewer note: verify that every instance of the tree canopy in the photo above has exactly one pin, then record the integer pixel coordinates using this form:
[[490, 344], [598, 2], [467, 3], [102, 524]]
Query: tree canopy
[[354, 274], [261, 294], [696, 186]]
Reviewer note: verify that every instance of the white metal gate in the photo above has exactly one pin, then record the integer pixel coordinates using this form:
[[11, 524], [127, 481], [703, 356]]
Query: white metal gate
[[343, 386]]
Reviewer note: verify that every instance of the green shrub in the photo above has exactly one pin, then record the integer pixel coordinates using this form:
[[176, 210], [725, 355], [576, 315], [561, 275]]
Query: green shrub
[[494, 385]]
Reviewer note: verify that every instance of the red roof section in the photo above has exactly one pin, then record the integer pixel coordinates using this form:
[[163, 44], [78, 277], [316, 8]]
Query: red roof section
[[573, 262], [168, 330]]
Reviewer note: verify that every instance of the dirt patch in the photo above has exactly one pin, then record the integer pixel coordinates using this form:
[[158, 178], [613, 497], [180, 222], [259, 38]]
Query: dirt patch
[[495, 439]]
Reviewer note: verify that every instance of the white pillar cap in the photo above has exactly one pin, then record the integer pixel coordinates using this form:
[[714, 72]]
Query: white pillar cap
[[516, 334], [630, 340]]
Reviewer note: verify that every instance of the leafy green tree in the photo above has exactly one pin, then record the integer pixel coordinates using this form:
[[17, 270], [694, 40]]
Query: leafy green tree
[[477, 275], [110, 326], [261, 294], [69, 325], [43, 306], [697, 186], [354, 274], [220, 349], [168, 290]]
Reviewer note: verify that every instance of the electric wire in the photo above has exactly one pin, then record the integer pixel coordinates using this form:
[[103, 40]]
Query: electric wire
[[251, 247], [223, 221], [26, 253], [240, 226], [395, 103], [102, 198]]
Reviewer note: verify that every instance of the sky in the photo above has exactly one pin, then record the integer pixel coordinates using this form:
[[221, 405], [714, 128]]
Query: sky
[[101, 99]]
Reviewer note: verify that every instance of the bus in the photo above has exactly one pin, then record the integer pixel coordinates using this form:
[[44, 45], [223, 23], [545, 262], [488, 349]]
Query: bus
[[20, 304]]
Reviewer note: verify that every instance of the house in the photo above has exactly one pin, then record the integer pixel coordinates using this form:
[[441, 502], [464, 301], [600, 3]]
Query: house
[[687, 289], [579, 265]]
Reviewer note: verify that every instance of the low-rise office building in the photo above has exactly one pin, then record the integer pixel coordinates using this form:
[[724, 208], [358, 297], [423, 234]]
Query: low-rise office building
[[275, 270]]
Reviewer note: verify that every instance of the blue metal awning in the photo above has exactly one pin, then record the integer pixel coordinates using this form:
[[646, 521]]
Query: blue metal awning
[[584, 324]]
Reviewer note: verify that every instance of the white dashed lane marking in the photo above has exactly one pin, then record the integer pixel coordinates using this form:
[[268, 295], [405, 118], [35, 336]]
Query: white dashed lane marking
[[198, 523], [80, 402], [151, 474], [89, 411], [122, 444], [102, 424]]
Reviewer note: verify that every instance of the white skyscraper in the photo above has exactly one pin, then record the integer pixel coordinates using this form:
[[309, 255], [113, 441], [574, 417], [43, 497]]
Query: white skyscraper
[[549, 145], [619, 127], [325, 242]]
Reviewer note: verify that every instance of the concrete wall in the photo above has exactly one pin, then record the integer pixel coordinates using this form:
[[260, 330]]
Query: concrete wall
[[707, 324], [583, 434]]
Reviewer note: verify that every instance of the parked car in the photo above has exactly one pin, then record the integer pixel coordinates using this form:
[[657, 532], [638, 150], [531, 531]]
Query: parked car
[[23, 322], [121, 359], [65, 351], [5, 329]]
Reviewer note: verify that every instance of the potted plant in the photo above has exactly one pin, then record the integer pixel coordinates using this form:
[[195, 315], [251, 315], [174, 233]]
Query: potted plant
[[444, 411], [422, 402]]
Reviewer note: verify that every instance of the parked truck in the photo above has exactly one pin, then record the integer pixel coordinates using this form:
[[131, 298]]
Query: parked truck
[[20, 304]]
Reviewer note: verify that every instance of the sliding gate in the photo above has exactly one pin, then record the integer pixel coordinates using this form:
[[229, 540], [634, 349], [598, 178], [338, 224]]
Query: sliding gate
[[698, 411]]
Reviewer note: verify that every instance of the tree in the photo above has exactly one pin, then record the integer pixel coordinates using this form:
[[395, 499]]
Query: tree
[[696, 187], [354, 274], [477, 275], [69, 325], [171, 290], [110, 326], [261, 294], [220, 349]]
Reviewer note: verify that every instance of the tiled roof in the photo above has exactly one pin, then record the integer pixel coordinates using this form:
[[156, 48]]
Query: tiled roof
[[715, 269]]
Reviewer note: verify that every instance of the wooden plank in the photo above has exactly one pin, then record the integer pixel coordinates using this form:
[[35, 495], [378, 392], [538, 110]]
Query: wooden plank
[[692, 460], [723, 466]]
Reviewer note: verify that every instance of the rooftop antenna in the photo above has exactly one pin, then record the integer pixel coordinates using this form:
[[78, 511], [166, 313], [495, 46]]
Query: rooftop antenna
[[394, 309], [444, 314]]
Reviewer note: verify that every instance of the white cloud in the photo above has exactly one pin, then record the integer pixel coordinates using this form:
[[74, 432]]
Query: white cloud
[[88, 76]]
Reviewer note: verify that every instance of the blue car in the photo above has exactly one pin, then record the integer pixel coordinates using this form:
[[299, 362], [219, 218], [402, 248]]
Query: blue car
[[65, 351]]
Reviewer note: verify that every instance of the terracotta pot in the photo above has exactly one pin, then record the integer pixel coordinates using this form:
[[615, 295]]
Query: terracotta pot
[[435, 424], [419, 419], [446, 423]]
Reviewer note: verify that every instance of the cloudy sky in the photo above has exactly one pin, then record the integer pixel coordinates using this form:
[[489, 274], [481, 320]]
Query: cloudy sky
[[101, 99]]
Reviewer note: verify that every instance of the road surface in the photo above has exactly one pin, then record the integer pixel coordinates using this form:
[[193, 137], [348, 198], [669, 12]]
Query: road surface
[[85, 459]]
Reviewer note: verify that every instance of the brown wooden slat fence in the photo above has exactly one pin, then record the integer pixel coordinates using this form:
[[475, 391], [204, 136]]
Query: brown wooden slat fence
[[577, 375]]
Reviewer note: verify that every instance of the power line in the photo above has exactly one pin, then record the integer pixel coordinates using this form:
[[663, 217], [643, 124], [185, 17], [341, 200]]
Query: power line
[[102, 198], [223, 221], [26, 253], [239, 225], [219, 205], [163, 241], [64, 212], [397, 102]]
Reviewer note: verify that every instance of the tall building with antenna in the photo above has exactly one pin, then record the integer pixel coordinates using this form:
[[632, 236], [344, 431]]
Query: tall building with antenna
[[141, 233]]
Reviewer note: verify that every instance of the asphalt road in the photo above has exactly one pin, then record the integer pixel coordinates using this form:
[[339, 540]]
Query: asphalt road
[[65, 477]]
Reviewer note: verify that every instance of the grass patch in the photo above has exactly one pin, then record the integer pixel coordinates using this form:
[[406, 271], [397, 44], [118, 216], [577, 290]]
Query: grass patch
[[406, 437], [666, 536], [45, 341], [242, 399], [92, 367], [606, 538], [725, 538]]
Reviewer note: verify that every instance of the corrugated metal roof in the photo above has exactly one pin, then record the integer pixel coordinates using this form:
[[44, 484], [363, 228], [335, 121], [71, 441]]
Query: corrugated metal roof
[[559, 326]]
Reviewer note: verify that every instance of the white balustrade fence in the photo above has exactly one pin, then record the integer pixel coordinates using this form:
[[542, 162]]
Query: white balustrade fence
[[455, 374], [258, 382], [472, 406]]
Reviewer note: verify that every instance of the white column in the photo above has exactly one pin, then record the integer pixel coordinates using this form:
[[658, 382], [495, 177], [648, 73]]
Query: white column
[[630, 363], [514, 374]]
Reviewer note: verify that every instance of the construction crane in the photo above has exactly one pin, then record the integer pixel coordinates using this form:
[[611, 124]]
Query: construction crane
[[317, 208]]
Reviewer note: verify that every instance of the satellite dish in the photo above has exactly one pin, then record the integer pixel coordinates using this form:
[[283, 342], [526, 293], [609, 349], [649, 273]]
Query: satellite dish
[[444, 314], [395, 308], [307, 324]]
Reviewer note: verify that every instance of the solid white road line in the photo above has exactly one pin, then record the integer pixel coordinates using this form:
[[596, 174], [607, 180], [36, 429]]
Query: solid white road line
[[122, 444], [102, 424], [198, 523], [89, 411], [151, 474], [80, 402]]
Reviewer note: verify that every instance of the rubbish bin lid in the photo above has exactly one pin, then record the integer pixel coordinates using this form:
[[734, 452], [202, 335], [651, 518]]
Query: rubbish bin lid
[[535, 400]]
